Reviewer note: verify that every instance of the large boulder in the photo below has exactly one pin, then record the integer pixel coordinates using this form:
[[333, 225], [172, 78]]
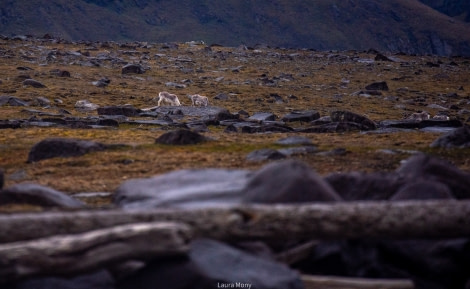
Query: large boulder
[[212, 264], [288, 181], [180, 137], [459, 138], [184, 188], [34, 194], [62, 147], [426, 167], [347, 116]]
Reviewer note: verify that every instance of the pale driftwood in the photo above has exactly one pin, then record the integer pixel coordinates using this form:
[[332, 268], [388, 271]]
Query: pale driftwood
[[399, 220], [74, 254], [330, 282]]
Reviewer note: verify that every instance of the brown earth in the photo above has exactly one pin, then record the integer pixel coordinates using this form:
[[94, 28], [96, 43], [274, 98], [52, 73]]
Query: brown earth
[[322, 81]]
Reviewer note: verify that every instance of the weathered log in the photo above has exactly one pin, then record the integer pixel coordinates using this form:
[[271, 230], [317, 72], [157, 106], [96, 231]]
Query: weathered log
[[330, 282], [381, 220], [75, 254]]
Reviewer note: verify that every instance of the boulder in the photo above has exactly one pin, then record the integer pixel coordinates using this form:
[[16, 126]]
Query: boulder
[[132, 68], [288, 181], [183, 188], [355, 186], [62, 147], [212, 264], [34, 194], [127, 110], [295, 140], [458, 138], [265, 155], [11, 101], [180, 137], [85, 105], [33, 83], [301, 116], [422, 190], [347, 116], [422, 166], [262, 116], [382, 85]]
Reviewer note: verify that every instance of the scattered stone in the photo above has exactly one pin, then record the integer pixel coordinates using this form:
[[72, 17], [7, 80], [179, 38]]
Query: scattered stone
[[378, 86], [132, 68], [34, 194], [103, 82], [126, 110], [10, 124], [298, 150], [221, 96], [288, 181], [86, 105], [33, 83], [356, 186], [301, 116], [183, 188], [347, 116], [42, 101], [381, 57], [12, 101], [263, 128], [62, 147], [60, 73], [175, 85], [334, 127], [210, 263], [262, 116], [264, 155], [181, 137], [458, 138], [230, 129]]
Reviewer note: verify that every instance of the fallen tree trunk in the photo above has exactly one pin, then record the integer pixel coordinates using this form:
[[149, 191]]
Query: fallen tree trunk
[[75, 254], [331, 282], [384, 220]]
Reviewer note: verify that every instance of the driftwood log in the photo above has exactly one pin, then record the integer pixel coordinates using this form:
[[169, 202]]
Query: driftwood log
[[399, 220], [74, 254], [333, 282]]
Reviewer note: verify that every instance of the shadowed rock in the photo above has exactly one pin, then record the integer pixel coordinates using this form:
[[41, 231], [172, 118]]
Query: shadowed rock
[[38, 195], [378, 86], [347, 116], [423, 190], [62, 147], [262, 116], [12, 101], [288, 181], [426, 167], [302, 116], [459, 138], [127, 110], [212, 264], [33, 83], [180, 137], [132, 68]]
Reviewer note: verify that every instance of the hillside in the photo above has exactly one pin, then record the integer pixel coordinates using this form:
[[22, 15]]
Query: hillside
[[398, 26], [459, 9]]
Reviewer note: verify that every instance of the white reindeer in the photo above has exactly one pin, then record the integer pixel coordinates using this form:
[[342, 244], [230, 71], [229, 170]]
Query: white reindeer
[[199, 100], [424, 115], [167, 97]]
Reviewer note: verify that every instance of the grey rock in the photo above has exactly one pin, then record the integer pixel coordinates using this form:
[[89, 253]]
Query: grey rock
[[423, 190], [355, 186], [34, 194], [378, 86], [347, 116], [212, 264], [126, 110], [262, 116], [264, 155], [62, 147], [295, 140], [426, 167], [458, 138], [180, 137], [12, 101], [86, 105], [42, 101], [303, 150], [288, 181], [33, 83], [132, 68], [301, 116], [184, 188]]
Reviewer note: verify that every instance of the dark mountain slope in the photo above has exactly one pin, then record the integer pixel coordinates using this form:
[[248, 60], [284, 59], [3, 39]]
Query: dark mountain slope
[[399, 25], [454, 8]]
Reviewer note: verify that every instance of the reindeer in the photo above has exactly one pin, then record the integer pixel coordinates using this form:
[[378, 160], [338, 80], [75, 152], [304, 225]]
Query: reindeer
[[424, 115], [199, 100], [172, 99]]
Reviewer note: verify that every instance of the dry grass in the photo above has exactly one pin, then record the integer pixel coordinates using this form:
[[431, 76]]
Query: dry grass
[[317, 84]]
